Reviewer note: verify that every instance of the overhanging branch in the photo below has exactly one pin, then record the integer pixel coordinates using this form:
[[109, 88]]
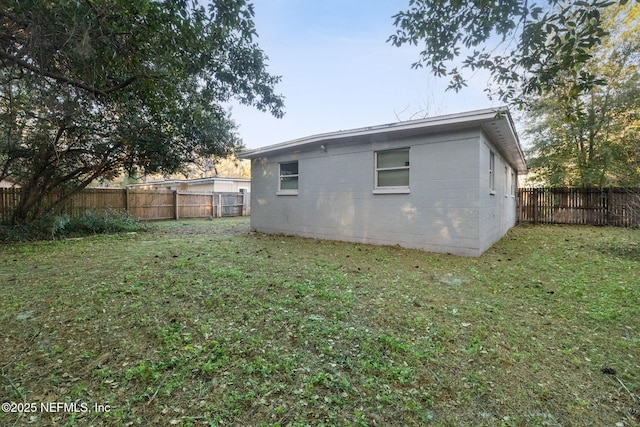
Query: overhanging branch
[[66, 80]]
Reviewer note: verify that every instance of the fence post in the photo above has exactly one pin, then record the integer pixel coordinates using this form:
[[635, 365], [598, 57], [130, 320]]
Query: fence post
[[126, 200], [213, 205], [534, 199], [219, 207], [607, 217], [2, 213], [175, 205]]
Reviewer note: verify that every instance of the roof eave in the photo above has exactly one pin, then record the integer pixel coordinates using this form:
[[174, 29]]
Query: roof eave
[[406, 128]]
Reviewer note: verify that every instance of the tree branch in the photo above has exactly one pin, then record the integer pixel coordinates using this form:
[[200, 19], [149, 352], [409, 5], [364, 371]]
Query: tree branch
[[80, 85]]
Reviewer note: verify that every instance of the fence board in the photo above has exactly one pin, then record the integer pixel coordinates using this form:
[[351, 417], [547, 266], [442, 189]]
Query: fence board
[[143, 204], [232, 204], [150, 204], [593, 206], [96, 199], [9, 198], [195, 205]]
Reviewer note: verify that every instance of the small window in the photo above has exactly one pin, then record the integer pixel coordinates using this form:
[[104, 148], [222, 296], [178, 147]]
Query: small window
[[492, 172], [288, 178], [513, 183], [505, 188], [392, 170]]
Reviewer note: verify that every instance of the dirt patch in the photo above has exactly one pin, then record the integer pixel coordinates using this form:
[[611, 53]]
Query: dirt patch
[[233, 226]]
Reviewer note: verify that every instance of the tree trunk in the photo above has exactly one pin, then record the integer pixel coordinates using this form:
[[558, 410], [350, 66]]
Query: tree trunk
[[32, 205]]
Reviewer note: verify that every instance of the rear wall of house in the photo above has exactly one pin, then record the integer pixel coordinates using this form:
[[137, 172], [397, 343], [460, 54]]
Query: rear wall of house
[[497, 204], [336, 197]]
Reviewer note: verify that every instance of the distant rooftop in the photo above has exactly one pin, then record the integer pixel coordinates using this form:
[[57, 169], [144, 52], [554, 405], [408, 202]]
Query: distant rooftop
[[190, 181]]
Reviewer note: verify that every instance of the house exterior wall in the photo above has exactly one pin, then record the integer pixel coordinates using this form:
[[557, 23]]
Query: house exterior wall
[[498, 206], [442, 212]]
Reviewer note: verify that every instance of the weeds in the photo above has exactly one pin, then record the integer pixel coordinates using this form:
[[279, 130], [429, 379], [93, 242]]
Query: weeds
[[53, 227]]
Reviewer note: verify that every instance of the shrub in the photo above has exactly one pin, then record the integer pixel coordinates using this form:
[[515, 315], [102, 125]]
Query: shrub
[[60, 226], [107, 221]]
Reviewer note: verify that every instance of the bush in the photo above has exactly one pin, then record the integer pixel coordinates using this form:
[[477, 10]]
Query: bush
[[108, 221], [60, 226]]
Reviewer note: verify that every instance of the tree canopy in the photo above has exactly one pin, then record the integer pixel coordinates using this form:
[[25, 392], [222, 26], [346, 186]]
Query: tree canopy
[[572, 66], [90, 89], [526, 46], [593, 140]]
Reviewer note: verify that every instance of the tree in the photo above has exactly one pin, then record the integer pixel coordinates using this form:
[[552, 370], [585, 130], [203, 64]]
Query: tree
[[539, 42], [90, 89], [593, 140]]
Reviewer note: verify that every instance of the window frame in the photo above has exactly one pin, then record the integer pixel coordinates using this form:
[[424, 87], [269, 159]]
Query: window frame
[[391, 189], [288, 191]]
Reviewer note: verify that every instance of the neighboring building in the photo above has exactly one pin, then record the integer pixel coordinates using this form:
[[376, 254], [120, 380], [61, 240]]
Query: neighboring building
[[443, 184], [9, 183], [218, 185]]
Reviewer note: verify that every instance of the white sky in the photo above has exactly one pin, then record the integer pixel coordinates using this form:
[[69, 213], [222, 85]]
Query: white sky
[[338, 71]]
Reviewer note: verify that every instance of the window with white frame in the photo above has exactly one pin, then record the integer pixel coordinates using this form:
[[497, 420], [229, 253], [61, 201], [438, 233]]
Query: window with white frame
[[492, 172], [392, 169], [514, 185], [288, 178]]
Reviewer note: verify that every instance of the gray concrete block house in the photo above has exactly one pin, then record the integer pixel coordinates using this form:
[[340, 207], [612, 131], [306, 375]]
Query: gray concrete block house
[[442, 184]]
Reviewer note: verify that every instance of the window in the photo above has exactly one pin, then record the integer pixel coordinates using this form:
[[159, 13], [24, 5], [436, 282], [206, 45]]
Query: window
[[513, 183], [506, 182], [288, 178], [492, 172], [392, 170]]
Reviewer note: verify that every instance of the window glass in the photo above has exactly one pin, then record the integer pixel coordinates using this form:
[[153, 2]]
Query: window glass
[[393, 178], [289, 183], [393, 159], [289, 176], [392, 168], [289, 168]]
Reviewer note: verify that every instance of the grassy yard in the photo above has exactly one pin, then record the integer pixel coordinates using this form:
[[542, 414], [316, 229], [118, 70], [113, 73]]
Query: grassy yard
[[202, 323]]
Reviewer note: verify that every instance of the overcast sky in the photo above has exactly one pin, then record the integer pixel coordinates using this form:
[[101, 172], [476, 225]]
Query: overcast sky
[[338, 71]]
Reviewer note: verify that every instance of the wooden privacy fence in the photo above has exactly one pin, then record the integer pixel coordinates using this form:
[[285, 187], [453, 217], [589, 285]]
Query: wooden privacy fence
[[594, 206], [146, 205], [168, 204]]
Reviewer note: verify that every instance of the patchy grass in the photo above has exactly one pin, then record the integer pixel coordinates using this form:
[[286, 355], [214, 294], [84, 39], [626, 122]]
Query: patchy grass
[[202, 323]]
